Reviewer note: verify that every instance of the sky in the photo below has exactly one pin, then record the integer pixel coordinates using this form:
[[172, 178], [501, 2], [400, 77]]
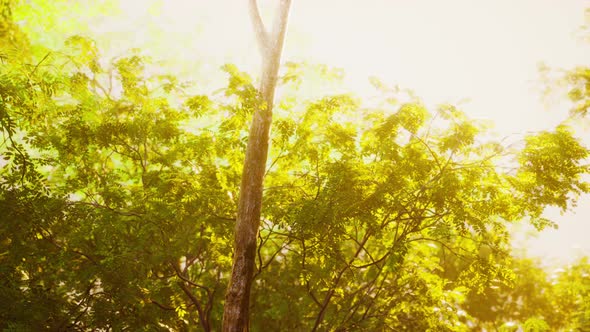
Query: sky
[[481, 54]]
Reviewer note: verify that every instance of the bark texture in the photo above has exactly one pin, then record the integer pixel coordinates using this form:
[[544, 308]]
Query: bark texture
[[237, 298]]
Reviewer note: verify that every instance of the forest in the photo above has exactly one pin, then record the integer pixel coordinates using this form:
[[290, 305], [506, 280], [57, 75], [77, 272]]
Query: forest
[[131, 199]]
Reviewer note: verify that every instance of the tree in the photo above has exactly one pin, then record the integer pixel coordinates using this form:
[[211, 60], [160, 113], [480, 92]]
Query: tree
[[368, 207], [535, 300], [237, 300], [118, 201], [575, 82]]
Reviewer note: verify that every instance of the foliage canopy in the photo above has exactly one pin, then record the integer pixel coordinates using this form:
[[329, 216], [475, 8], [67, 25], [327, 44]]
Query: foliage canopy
[[118, 196]]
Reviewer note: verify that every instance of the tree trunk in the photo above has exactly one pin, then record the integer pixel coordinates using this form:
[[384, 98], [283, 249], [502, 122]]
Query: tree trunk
[[237, 298]]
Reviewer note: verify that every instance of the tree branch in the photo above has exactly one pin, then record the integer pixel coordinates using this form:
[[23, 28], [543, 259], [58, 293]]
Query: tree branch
[[203, 318], [259, 30], [280, 26], [40, 62]]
